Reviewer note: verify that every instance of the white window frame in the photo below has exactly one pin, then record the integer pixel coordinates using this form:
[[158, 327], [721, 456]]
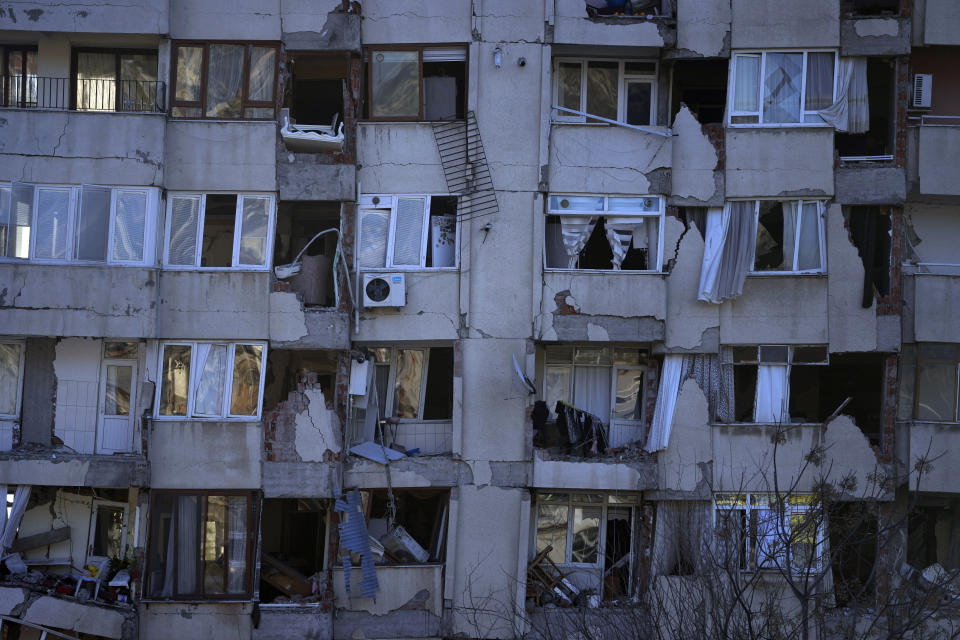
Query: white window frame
[[606, 213], [821, 238], [385, 202], [392, 380], [23, 350], [237, 231], [731, 88], [94, 559], [613, 368], [623, 79], [769, 504], [572, 502], [788, 363], [225, 415], [73, 217]]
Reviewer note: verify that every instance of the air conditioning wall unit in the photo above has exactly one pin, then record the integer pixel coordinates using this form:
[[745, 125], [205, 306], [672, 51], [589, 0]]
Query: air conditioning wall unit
[[922, 90], [384, 290]]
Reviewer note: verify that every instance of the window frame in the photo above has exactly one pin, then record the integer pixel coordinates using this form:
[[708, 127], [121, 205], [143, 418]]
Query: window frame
[[937, 361], [225, 415], [419, 48], [632, 502], [366, 203], [19, 391], [613, 368], [117, 54], [245, 102], [237, 231], [793, 503], [606, 213], [623, 80], [728, 359], [119, 506], [253, 526], [731, 88], [5, 97], [73, 218], [821, 237], [390, 396]]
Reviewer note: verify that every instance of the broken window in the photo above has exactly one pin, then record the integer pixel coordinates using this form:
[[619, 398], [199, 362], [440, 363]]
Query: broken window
[[761, 378], [316, 88], [933, 533], [408, 232], [765, 531], [219, 231], [47, 223], [108, 531], [876, 137], [592, 534], [419, 382], [18, 76], [407, 526], [293, 537], [416, 83], [11, 378], [308, 233], [853, 550], [210, 380], [106, 80], [938, 382], [604, 233], [629, 8], [781, 87], [702, 86], [619, 90], [224, 81], [789, 236], [201, 545], [871, 233]]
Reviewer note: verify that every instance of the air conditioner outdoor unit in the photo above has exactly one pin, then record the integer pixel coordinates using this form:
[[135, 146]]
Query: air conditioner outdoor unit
[[922, 89], [384, 290]]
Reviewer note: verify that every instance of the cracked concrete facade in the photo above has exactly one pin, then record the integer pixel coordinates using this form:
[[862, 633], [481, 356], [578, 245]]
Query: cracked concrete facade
[[499, 305]]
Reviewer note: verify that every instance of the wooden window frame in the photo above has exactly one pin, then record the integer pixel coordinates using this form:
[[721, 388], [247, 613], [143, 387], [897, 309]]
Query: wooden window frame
[[5, 50], [245, 102], [368, 77], [253, 527], [116, 53]]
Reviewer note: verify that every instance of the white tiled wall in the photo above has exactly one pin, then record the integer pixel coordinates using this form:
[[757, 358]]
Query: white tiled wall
[[429, 437], [77, 414]]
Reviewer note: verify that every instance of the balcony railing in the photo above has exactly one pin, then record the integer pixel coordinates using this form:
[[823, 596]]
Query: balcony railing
[[82, 94]]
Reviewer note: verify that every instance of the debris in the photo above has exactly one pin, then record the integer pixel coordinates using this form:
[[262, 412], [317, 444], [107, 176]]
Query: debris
[[376, 452], [402, 545]]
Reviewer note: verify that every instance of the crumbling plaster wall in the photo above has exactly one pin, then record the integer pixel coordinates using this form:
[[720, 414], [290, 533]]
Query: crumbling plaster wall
[[226, 156], [785, 23], [70, 148], [78, 301], [777, 310], [690, 324], [851, 327], [595, 475], [685, 464], [400, 587], [703, 27], [874, 36], [205, 454], [283, 623], [86, 16], [213, 620], [767, 162], [573, 27], [431, 312], [100, 622], [608, 159], [694, 161], [743, 459], [77, 368], [398, 158], [933, 232]]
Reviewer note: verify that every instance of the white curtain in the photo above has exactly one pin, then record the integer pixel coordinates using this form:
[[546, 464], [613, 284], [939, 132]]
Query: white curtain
[[208, 387], [808, 251], [747, 83], [186, 553], [237, 544], [725, 267], [659, 436], [791, 211], [576, 232], [772, 394], [591, 390], [620, 234], [718, 221], [20, 499], [851, 111]]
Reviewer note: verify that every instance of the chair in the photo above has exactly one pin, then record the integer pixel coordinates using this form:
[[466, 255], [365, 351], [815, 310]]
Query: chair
[[101, 571]]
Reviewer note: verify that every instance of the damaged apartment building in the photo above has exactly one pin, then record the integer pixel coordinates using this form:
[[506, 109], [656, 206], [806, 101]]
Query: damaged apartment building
[[405, 319]]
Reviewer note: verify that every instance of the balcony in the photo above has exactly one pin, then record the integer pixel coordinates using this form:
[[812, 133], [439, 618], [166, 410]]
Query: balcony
[[82, 94]]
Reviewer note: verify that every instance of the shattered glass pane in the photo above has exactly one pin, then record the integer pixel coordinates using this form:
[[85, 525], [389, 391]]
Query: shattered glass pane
[[552, 531]]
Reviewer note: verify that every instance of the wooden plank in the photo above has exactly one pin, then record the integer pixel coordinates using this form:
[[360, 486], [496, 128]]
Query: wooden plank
[[284, 578], [40, 540]]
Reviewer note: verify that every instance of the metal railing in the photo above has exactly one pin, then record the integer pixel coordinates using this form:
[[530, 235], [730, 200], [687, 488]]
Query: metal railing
[[82, 94]]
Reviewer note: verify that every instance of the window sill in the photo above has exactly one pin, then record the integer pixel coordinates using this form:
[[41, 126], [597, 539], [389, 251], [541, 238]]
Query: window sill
[[167, 267], [194, 601], [604, 272], [784, 125], [766, 424], [802, 274], [250, 420], [222, 120], [69, 263], [409, 269]]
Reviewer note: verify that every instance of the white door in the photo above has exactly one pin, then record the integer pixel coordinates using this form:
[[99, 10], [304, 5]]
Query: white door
[[117, 405]]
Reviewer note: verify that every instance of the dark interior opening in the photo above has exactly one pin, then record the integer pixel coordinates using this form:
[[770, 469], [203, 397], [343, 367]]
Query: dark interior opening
[[817, 391], [870, 230], [219, 220], [616, 581], [596, 253], [871, 7], [442, 248], [286, 368], [702, 86], [853, 544], [298, 223], [878, 141], [317, 84], [292, 549], [933, 533], [744, 392], [438, 397], [422, 514]]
